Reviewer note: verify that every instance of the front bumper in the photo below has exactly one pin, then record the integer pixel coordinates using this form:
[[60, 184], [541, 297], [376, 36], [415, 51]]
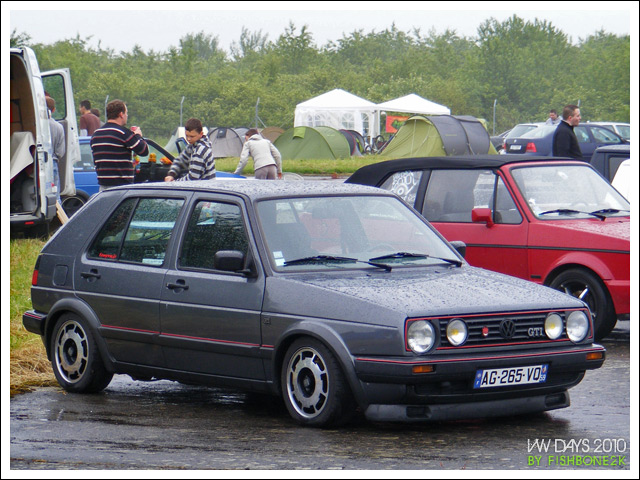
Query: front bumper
[[465, 411], [395, 393]]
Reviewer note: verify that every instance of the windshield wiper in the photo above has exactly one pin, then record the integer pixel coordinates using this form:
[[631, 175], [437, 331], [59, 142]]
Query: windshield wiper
[[407, 255], [568, 211], [605, 211], [324, 259]]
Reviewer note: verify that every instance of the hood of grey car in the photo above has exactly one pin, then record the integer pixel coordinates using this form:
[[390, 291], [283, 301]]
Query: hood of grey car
[[379, 296]]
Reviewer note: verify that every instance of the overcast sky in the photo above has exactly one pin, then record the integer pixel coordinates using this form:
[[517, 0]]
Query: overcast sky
[[162, 26]]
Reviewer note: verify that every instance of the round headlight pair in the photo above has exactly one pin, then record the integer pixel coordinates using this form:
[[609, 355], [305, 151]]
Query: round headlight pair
[[577, 326]]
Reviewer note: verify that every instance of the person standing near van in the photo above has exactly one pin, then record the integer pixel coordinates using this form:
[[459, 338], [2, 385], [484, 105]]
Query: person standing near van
[[57, 142], [196, 162], [267, 162], [88, 121], [112, 146]]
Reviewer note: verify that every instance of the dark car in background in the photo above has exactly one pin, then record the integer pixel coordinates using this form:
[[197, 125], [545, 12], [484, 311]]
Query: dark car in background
[[328, 294], [539, 141], [518, 131], [608, 159], [555, 222]]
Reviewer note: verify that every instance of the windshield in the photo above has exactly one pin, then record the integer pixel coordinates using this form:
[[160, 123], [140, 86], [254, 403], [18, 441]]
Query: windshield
[[568, 191], [319, 233]]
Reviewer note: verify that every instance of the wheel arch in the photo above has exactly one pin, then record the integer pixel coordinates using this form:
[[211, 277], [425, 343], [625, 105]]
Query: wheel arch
[[80, 308], [580, 261], [330, 339]]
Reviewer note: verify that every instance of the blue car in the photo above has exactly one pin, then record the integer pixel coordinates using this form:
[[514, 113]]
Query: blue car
[[87, 182], [539, 141]]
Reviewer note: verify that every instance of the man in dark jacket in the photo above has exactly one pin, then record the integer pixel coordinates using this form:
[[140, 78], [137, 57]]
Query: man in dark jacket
[[565, 142], [112, 146]]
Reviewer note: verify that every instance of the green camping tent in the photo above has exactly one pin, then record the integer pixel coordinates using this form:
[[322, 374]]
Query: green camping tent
[[439, 135], [319, 143]]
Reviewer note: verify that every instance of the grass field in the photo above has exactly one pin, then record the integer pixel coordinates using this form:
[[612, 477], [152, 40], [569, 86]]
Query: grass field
[[29, 365], [340, 166]]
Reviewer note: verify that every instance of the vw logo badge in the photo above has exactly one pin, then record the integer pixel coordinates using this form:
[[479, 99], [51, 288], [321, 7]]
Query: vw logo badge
[[507, 328]]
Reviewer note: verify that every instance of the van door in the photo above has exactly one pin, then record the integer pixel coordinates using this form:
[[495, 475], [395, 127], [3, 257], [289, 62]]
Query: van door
[[33, 201], [57, 84]]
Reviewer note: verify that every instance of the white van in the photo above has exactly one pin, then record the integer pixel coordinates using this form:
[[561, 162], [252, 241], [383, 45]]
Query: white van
[[33, 191]]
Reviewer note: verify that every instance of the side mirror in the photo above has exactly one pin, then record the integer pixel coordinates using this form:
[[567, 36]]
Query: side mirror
[[460, 247], [480, 215], [229, 261]]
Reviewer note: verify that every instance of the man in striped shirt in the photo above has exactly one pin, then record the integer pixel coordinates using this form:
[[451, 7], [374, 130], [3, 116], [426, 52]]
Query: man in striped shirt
[[112, 146], [196, 162]]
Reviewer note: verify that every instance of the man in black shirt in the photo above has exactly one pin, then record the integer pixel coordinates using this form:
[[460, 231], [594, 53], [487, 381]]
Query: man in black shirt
[[565, 142]]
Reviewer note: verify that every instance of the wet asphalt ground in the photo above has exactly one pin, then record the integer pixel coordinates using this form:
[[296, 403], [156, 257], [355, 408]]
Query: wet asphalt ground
[[166, 425]]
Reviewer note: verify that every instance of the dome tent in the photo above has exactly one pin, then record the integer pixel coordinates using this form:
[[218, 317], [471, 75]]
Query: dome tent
[[318, 143], [439, 135], [227, 142]]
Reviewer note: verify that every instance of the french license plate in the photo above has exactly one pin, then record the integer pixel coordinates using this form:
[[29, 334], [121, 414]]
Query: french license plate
[[502, 377], [515, 147]]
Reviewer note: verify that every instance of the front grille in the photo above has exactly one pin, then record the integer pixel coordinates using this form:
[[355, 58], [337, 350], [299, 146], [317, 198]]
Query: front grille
[[501, 329]]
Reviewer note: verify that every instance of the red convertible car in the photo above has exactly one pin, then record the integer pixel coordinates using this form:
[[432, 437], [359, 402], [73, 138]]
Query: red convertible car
[[556, 222]]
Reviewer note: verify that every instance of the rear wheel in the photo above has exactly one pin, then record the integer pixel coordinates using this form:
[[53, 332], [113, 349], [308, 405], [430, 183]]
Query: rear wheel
[[75, 358], [589, 288], [313, 385]]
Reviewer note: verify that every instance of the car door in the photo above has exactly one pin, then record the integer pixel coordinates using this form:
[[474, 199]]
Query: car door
[[211, 318], [120, 275], [57, 84], [497, 243]]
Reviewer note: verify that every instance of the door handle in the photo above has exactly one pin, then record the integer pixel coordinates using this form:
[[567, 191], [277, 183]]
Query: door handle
[[91, 275], [179, 285]]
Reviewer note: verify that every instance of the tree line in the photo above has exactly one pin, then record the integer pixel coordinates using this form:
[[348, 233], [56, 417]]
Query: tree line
[[518, 69]]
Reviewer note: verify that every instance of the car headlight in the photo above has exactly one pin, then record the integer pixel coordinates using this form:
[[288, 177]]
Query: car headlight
[[457, 332], [553, 326], [577, 326], [421, 336]]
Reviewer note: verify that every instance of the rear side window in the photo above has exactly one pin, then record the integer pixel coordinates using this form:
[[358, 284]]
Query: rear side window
[[404, 184], [138, 231]]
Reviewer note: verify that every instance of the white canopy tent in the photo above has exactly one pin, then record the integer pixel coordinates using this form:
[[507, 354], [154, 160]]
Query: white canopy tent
[[340, 110], [412, 103]]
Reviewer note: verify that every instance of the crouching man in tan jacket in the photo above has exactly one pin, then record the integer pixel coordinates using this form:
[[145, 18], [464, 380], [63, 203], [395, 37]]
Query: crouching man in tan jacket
[[267, 161]]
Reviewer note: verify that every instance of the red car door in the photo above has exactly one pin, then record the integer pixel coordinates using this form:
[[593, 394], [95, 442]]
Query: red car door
[[497, 239]]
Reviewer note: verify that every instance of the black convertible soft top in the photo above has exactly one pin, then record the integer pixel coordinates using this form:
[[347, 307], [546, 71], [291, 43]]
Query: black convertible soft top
[[373, 174]]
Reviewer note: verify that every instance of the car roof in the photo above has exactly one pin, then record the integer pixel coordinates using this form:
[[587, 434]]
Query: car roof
[[616, 148], [259, 189], [370, 174], [608, 123]]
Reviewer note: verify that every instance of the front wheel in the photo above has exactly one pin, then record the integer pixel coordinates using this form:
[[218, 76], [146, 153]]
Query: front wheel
[[75, 358], [587, 287], [313, 385]]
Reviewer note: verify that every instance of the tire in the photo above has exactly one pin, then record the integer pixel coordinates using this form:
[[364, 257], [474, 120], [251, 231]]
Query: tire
[[589, 288], [75, 358], [73, 203], [313, 386]]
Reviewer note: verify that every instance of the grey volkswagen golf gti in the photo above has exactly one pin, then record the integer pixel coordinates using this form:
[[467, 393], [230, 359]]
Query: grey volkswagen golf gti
[[334, 296]]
